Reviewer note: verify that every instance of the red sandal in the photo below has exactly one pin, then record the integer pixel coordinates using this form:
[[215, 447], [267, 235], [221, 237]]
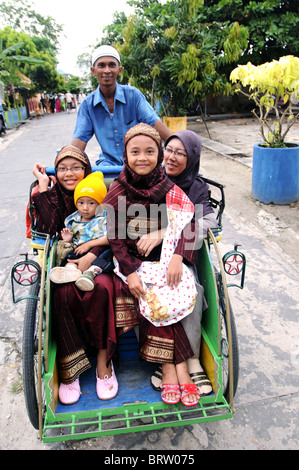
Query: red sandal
[[170, 388], [189, 389]]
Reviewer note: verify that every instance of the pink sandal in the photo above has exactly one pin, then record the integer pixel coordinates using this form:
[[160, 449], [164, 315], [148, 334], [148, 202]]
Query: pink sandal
[[107, 387], [189, 389], [170, 388], [69, 393]]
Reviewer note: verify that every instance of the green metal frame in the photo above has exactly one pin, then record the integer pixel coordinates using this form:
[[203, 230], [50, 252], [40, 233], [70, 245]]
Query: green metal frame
[[139, 416], [16, 280]]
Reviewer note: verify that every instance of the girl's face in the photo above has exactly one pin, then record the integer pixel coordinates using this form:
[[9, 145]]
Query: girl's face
[[142, 154], [70, 172], [175, 157], [87, 208]]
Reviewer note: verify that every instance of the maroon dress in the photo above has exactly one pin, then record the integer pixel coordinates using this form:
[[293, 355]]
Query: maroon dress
[[167, 344], [80, 324], [79, 319]]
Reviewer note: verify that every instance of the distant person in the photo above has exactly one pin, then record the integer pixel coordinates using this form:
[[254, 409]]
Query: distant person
[[58, 104], [68, 101], [81, 97], [112, 109], [48, 105], [52, 104], [43, 102], [37, 110]]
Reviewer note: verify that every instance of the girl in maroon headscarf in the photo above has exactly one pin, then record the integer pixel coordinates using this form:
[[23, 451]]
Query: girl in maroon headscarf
[[55, 204], [79, 319], [143, 183]]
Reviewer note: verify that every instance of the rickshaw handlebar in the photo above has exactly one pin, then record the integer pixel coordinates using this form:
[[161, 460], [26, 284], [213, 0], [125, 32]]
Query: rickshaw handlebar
[[111, 171]]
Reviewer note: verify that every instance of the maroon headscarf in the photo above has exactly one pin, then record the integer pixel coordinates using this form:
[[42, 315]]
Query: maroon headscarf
[[189, 180], [139, 189], [54, 205]]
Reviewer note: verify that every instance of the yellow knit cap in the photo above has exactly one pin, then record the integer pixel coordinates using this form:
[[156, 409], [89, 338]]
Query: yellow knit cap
[[92, 186]]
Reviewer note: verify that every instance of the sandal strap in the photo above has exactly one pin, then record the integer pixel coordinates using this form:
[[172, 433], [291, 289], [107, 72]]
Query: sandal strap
[[170, 388], [158, 373], [200, 378], [189, 389], [203, 384], [200, 375]]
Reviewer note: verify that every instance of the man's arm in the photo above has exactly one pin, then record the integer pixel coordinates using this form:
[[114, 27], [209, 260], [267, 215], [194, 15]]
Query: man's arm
[[80, 144], [162, 129]]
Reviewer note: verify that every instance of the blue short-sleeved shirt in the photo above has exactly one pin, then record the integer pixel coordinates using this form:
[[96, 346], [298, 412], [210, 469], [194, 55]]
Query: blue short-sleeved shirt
[[94, 117]]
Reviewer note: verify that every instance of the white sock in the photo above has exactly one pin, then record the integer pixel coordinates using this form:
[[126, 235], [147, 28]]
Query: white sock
[[70, 266], [95, 270]]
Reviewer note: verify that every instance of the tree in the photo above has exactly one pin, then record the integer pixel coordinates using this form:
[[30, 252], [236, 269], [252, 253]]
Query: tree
[[74, 85], [20, 15], [9, 61], [40, 67], [184, 50], [46, 78], [272, 26], [169, 53]]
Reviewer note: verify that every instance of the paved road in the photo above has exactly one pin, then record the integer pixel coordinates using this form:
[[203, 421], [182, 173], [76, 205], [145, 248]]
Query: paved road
[[266, 312]]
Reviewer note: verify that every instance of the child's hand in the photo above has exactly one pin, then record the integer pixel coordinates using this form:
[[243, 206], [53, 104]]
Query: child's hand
[[135, 285], [66, 234], [84, 248], [148, 242], [175, 271], [39, 172]]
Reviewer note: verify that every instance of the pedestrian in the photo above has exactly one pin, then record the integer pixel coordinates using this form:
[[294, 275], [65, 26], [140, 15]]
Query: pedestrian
[[112, 109], [69, 102], [48, 105], [81, 97], [43, 102], [58, 104], [52, 103]]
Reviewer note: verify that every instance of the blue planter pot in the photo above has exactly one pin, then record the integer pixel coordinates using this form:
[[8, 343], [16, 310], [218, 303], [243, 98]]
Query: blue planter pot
[[275, 174]]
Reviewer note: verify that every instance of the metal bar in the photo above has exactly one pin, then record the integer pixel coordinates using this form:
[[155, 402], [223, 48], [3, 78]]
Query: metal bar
[[40, 332], [227, 311]]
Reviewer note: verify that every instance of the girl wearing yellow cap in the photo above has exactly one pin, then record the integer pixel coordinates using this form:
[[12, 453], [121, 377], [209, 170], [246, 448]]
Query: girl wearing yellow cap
[[86, 228]]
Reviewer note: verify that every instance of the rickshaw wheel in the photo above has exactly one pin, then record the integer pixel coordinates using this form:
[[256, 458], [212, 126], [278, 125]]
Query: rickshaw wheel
[[224, 350], [30, 356]]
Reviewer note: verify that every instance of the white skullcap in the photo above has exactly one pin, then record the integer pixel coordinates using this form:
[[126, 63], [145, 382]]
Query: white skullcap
[[105, 51]]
